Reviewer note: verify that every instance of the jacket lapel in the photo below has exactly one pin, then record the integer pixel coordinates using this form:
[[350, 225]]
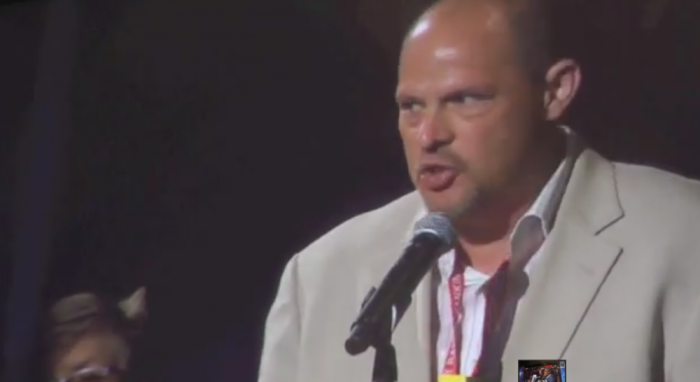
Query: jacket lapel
[[575, 262]]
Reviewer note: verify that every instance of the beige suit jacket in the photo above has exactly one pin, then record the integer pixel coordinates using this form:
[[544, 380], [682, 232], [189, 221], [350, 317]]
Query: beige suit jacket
[[617, 292]]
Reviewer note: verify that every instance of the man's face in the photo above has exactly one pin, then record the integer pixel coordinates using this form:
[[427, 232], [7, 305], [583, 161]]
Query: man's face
[[467, 109]]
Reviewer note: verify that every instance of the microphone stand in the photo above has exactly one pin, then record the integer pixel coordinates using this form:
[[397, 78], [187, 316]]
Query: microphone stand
[[377, 334], [385, 368]]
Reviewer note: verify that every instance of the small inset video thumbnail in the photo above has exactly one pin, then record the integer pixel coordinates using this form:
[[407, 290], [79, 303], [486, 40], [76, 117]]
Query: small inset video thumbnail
[[542, 370]]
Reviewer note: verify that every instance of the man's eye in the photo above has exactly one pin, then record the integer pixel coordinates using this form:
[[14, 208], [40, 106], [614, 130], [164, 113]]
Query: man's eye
[[470, 98], [409, 106]]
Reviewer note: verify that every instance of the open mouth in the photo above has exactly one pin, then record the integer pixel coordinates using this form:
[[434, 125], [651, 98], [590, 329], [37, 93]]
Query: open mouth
[[436, 177]]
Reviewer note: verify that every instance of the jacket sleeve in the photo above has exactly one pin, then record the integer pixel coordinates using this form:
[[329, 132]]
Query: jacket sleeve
[[280, 355]]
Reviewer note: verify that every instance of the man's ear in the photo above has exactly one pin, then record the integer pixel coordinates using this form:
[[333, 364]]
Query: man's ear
[[134, 306], [563, 81]]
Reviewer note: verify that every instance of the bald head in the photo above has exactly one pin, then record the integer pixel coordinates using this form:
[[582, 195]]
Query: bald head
[[520, 28], [477, 91]]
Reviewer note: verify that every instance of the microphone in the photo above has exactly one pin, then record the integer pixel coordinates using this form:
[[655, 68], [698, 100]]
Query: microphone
[[433, 235]]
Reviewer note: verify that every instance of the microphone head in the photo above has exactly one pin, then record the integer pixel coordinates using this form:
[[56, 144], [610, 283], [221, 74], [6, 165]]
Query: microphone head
[[438, 225]]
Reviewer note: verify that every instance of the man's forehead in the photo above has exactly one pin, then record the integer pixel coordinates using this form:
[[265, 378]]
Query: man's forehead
[[457, 25], [450, 53], [460, 14]]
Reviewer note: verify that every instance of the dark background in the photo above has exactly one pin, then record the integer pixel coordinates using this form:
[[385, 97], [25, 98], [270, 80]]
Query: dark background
[[193, 146]]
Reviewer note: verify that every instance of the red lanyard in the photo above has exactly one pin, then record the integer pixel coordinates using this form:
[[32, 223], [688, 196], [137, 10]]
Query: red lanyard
[[493, 301], [456, 291], [495, 292]]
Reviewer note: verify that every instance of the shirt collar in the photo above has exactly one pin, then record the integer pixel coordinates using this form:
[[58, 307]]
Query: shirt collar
[[545, 207], [540, 215]]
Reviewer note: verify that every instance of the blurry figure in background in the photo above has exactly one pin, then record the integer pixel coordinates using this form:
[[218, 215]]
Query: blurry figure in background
[[549, 374], [557, 373], [90, 340], [535, 376]]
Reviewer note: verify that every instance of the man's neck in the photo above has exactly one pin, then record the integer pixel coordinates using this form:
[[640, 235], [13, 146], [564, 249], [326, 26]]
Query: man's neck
[[485, 234], [496, 220]]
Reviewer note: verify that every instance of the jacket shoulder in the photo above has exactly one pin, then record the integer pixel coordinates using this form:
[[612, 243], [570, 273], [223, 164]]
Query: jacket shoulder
[[654, 190], [394, 218], [661, 215]]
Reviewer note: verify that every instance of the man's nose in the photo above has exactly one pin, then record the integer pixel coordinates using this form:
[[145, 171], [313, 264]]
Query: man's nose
[[435, 133]]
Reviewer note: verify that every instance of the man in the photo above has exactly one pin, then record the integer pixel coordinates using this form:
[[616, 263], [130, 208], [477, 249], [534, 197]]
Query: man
[[549, 375], [599, 257]]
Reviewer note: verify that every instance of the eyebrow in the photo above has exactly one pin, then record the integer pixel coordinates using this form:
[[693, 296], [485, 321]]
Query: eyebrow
[[402, 97], [401, 93]]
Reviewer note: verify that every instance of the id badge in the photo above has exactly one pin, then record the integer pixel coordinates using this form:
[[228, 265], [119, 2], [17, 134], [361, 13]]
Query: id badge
[[453, 378]]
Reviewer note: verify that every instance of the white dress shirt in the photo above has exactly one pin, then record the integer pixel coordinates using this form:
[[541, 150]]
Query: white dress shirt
[[540, 217]]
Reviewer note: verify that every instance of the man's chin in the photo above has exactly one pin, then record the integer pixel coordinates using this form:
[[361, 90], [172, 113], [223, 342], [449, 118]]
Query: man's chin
[[450, 203]]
